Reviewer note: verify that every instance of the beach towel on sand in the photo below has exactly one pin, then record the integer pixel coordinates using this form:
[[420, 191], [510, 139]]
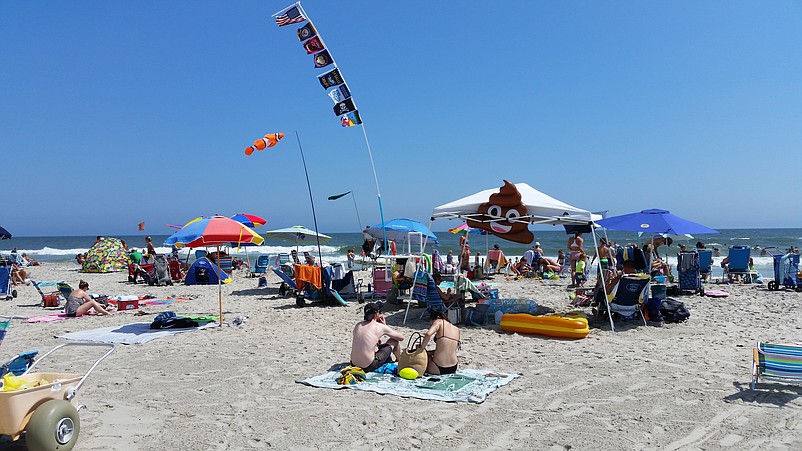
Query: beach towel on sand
[[466, 385], [135, 333]]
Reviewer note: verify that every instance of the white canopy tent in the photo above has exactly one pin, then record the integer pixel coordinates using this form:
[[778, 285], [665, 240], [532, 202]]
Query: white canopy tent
[[540, 209]]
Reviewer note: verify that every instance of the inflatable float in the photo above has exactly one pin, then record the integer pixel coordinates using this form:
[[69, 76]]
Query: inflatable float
[[570, 325]]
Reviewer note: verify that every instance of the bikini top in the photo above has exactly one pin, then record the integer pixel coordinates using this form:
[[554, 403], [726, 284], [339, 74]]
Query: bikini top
[[459, 342]]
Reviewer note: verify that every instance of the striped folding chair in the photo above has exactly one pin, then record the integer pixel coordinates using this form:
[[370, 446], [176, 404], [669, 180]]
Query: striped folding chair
[[777, 362]]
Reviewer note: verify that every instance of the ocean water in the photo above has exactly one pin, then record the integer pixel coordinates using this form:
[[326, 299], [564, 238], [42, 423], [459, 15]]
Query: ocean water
[[64, 248]]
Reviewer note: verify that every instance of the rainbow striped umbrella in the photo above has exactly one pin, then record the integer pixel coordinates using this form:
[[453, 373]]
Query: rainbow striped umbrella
[[214, 231], [249, 220]]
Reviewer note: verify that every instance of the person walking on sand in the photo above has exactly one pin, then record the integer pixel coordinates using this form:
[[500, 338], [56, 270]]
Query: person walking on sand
[[151, 249], [367, 350]]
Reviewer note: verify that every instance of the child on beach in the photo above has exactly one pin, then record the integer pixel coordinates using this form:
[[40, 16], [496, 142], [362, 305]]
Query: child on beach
[[579, 274]]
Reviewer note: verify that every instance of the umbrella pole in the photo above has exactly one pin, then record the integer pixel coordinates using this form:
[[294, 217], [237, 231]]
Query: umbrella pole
[[219, 285]]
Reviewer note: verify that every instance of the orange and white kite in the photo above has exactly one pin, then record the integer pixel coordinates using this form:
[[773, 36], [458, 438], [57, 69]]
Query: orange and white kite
[[270, 140]]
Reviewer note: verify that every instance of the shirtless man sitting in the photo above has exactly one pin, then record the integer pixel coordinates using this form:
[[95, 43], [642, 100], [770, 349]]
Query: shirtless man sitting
[[367, 351]]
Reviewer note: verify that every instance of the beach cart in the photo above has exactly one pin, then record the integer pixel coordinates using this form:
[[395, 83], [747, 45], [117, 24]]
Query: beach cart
[[786, 270], [44, 411]]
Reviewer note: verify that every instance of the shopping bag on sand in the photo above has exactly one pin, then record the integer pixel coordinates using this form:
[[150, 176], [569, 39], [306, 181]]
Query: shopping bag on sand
[[414, 355]]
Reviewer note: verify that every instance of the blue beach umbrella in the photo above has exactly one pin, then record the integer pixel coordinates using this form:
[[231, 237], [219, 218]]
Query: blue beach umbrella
[[654, 221], [4, 234], [398, 230]]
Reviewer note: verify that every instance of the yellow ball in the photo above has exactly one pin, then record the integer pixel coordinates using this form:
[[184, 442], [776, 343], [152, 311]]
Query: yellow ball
[[408, 373]]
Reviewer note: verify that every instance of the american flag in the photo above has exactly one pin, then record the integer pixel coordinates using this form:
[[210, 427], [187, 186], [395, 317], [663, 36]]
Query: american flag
[[291, 16]]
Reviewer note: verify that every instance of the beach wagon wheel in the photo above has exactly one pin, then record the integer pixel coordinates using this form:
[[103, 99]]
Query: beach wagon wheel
[[300, 301], [773, 286], [53, 426]]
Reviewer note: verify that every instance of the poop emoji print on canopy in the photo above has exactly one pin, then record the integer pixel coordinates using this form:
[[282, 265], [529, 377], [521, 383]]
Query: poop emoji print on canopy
[[502, 215]]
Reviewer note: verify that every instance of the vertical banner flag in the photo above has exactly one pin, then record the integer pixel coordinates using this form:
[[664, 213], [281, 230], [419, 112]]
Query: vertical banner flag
[[313, 45], [331, 80], [350, 119], [323, 59], [340, 93], [306, 32]]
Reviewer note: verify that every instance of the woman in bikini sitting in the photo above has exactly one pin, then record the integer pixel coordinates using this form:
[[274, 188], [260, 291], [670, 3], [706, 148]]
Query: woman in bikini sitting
[[79, 302], [443, 359]]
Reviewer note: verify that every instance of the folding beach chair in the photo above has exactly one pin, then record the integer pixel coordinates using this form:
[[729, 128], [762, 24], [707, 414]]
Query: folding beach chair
[[688, 268], [288, 287], [48, 300], [261, 265], [295, 259], [226, 263], [777, 362], [738, 263], [627, 297], [21, 362], [705, 263]]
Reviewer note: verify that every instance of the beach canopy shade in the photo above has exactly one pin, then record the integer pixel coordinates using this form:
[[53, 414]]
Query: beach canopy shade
[[213, 231], [4, 234], [654, 221], [398, 230], [249, 220], [296, 234], [107, 255], [507, 211]]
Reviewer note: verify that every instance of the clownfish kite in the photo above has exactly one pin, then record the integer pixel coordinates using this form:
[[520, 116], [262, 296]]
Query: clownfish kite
[[270, 140]]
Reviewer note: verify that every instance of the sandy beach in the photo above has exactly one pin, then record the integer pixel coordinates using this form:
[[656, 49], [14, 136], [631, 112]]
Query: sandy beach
[[679, 386]]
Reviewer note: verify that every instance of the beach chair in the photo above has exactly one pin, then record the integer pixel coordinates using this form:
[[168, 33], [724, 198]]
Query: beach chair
[[261, 265], [21, 362], [226, 263], [425, 291], [705, 263], [294, 256], [627, 297], [52, 299], [635, 254], [688, 269], [65, 289], [777, 362], [287, 287], [464, 286], [737, 263], [6, 290]]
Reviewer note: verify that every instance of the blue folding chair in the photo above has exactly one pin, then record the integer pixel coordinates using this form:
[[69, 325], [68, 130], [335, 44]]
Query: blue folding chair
[[738, 263], [705, 263], [626, 298], [261, 265]]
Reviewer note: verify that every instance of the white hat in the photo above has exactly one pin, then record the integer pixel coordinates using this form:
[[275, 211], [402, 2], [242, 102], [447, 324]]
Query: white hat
[[537, 243]]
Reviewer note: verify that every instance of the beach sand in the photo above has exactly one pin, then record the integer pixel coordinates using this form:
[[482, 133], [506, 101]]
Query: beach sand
[[679, 386]]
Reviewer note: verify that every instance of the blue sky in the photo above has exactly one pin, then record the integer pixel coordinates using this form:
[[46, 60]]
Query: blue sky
[[114, 113]]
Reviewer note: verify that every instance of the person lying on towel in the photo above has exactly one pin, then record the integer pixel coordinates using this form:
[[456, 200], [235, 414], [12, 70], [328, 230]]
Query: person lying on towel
[[367, 350]]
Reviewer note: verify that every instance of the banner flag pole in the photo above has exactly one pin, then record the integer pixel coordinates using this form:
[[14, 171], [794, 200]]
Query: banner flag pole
[[361, 122]]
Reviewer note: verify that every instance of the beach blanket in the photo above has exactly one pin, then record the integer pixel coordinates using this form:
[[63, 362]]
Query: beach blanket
[[127, 334], [468, 385]]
